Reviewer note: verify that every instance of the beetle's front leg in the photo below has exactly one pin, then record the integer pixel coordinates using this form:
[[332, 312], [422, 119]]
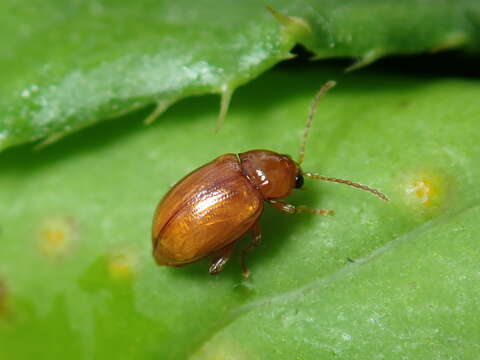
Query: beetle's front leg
[[221, 258], [256, 238], [292, 209]]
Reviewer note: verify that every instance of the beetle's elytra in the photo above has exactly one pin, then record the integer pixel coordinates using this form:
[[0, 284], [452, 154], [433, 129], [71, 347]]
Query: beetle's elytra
[[207, 211]]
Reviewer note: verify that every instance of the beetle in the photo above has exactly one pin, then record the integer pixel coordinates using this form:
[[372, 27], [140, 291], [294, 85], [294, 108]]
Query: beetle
[[211, 208]]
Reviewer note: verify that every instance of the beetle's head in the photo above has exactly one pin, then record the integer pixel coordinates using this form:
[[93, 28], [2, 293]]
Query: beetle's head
[[274, 175]]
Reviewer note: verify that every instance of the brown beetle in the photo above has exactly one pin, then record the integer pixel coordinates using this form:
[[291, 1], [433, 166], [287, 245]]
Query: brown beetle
[[207, 211]]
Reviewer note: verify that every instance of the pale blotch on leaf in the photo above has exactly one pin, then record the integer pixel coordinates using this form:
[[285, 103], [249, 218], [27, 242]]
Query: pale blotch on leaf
[[121, 265], [425, 191], [57, 235]]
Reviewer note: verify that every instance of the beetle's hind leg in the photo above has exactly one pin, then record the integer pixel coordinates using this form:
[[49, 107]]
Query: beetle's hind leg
[[221, 258], [256, 238], [292, 209]]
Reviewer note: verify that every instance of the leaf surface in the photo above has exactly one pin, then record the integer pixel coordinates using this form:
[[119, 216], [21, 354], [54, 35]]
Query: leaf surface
[[376, 280], [66, 65]]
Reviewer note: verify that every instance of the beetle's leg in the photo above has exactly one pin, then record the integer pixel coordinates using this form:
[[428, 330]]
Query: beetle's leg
[[256, 238], [292, 209], [221, 258]]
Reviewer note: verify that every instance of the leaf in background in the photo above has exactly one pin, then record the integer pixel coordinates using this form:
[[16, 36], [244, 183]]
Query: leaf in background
[[79, 280], [67, 64]]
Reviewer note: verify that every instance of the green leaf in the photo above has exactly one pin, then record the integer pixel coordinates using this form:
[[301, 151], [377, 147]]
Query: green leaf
[[377, 280], [66, 65], [415, 297]]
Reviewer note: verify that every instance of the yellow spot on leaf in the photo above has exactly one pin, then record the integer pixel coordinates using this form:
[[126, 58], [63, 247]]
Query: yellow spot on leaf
[[57, 236], [121, 265], [425, 191]]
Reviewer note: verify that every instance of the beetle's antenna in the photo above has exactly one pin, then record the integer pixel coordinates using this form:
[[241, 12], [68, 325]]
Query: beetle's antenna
[[313, 109], [349, 183]]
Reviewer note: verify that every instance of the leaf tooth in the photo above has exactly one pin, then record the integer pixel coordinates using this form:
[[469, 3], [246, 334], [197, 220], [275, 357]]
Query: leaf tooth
[[160, 108], [366, 59], [294, 28], [226, 96], [48, 141], [452, 40]]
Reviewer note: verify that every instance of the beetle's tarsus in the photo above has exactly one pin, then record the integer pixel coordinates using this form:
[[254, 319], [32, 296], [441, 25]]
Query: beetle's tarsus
[[256, 239], [292, 209], [322, 212], [221, 258], [217, 266]]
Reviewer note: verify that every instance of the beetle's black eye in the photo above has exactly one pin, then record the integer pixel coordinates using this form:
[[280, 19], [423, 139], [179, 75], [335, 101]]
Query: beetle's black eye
[[299, 181]]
